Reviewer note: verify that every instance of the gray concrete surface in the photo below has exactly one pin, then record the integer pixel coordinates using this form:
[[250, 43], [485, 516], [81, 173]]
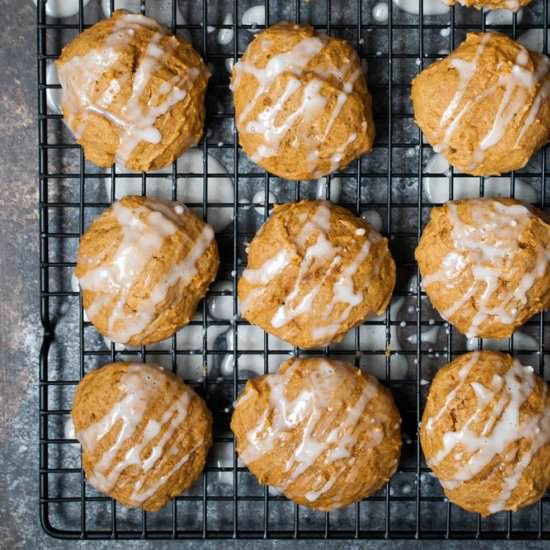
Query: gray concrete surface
[[19, 322]]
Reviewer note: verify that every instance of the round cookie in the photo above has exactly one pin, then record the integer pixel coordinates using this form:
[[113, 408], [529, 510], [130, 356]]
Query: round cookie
[[132, 93], [486, 106], [143, 267], [314, 272], [145, 435], [302, 106], [485, 432], [321, 431], [485, 264]]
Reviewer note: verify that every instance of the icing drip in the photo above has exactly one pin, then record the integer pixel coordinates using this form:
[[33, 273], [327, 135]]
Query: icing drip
[[338, 155], [321, 251], [315, 413], [137, 117], [138, 19], [344, 292], [78, 78], [140, 495], [488, 244], [503, 427], [462, 374], [267, 123], [143, 234], [542, 94], [312, 104], [466, 71], [269, 270], [142, 385], [518, 85]]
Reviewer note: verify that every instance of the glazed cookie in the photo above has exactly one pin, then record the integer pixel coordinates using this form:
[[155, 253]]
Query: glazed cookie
[[145, 435], [314, 272], [485, 264], [486, 432], [143, 266], [302, 106], [485, 107], [132, 93], [319, 430]]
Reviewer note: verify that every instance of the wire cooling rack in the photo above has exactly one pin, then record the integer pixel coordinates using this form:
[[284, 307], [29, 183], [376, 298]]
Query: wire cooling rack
[[219, 351]]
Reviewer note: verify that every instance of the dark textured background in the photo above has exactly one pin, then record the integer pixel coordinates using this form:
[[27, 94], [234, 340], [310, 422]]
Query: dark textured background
[[19, 320]]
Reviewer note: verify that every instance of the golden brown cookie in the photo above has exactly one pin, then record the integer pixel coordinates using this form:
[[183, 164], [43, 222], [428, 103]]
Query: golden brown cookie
[[143, 267], [485, 432], [512, 5], [321, 431], [485, 264], [132, 93], [145, 435], [485, 107], [302, 106], [314, 272]]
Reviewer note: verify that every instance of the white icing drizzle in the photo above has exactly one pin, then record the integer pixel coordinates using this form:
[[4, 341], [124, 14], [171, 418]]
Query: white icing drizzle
[[293, 64], [338, 155], [141, 384], [140, 495], [270, 269], [343, 289], [502, 428], [78, 78], [265, 124], [542, 94], [312, 496], [143, 235], [135, 120], [466, 71], [137, 19], [518, 85], [322, 250], [488, 244], [314, 412], [462, 374]]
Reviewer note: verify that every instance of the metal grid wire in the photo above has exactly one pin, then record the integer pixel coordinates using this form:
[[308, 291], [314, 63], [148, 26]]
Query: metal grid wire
[[227, 502]]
